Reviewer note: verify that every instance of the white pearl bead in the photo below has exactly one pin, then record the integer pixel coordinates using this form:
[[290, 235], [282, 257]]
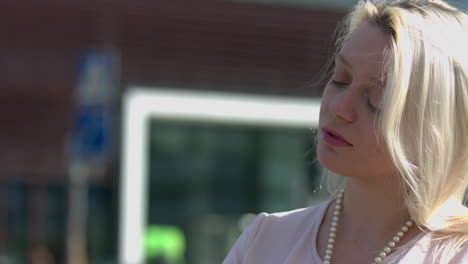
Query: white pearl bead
[[391, 244], [335, 218], [333, 229], [333, 234], [378, 260], [338, 207], [383, 255], [409, 223], [396, 239], [329, 252], [337, 213], [400, 234], [387, 250], [334, 224], [404, 229], [331, 240], [327, 257], [330, 246], [326, 262]]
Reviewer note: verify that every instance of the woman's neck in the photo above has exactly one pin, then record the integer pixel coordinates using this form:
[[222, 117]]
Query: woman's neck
[[371, 216], [380, 205], [373, 212]]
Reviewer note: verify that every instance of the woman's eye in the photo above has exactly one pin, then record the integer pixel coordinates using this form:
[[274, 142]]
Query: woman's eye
[[338, 84], [371, 106]]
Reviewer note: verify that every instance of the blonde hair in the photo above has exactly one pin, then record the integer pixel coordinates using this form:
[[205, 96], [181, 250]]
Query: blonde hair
[[424, 117]]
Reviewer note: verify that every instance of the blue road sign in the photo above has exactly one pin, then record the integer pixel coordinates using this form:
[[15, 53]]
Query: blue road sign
[[92, 116]]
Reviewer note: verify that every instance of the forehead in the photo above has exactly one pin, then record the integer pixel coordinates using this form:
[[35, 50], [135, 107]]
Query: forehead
[[364, 50]]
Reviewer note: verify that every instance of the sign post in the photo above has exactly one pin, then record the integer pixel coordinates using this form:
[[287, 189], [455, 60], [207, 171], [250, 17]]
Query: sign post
[[91, 141]]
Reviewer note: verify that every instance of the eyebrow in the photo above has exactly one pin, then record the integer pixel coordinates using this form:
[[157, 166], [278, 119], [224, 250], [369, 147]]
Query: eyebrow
[[372, 81], [375, 82], [343, 60]]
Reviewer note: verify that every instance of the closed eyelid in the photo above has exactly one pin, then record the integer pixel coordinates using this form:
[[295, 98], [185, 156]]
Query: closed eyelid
[[340, 59], [343, 72]]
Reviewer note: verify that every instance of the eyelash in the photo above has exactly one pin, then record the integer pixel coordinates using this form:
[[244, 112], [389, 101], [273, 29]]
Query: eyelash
[[371, 107], [338, 84]]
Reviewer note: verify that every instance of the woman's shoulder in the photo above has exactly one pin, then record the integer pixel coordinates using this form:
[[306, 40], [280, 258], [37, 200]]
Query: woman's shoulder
[[288, 224], [461, 255], [309, 214], [429, 247], [282, 231]]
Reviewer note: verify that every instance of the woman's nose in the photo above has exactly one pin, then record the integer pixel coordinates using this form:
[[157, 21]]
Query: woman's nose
[[343, 105]]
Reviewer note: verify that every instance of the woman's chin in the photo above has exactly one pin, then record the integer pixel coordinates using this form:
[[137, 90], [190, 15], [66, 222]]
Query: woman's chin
[[334, 164], [331, 165], [328, 158]]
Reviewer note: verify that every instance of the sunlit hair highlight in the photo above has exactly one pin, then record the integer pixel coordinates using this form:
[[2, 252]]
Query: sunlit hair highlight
[[424, 117]]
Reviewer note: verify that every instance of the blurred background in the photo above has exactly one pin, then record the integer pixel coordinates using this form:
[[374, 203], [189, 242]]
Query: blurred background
[[153, 131]]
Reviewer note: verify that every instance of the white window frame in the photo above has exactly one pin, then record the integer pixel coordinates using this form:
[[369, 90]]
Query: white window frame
[[143, 104]]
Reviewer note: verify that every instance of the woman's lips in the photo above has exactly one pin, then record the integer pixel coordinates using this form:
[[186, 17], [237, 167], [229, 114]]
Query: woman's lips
[[334, 138]]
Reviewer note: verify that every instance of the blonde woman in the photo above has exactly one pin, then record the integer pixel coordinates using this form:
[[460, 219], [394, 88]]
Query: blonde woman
[[394, 122]]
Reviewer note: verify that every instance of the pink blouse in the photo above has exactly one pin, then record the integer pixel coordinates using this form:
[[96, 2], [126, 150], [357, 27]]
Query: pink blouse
[[290, 238]]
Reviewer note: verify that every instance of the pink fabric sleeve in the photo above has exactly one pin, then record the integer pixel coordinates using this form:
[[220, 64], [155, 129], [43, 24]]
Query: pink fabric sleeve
[[237, 253], [462, 256]]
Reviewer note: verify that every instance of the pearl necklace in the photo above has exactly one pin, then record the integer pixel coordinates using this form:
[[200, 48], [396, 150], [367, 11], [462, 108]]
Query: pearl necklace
[[334, 225]]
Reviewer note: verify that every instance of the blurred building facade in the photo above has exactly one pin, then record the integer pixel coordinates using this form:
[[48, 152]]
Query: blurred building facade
[[241, 47]]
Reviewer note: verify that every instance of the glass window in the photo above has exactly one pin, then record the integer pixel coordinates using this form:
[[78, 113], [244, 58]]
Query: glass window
[[207, 180], [17, 212], [56, 219], [102, 224]]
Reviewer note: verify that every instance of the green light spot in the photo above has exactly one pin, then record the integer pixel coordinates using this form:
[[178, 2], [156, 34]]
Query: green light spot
[[164, 240]]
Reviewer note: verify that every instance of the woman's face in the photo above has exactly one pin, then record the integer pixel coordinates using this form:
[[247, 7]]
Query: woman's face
[[347, 140]]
